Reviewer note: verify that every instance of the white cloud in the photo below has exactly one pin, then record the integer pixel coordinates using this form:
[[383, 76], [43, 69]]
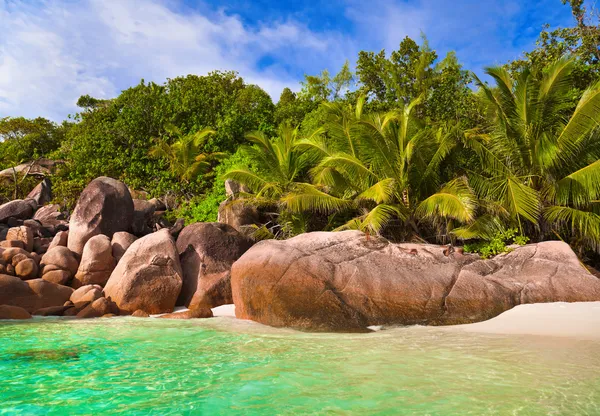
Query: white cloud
[[53, 53]]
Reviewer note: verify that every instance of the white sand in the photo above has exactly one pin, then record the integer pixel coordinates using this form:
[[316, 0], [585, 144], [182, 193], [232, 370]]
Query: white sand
[[224, 310], [574, 320]]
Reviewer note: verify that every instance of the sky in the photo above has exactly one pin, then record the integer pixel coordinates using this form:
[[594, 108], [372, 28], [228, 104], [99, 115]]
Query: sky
[[53, 51]]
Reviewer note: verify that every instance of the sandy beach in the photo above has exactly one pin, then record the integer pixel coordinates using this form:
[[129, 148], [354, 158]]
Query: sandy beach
[[560, 319]]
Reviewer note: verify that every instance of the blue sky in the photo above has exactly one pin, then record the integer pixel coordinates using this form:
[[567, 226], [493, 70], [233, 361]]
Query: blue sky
[[53, 51]]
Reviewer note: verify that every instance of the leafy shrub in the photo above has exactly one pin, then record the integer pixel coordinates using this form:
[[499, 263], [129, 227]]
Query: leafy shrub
[[205, 208], [497, 245], [24, 186]]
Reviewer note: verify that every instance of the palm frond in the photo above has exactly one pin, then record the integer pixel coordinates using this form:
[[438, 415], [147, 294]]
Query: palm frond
[[382, 192], [380, 216], [484, 227], [584, 224], [580, 187], [456, 200], [307, 198], [246, 177]]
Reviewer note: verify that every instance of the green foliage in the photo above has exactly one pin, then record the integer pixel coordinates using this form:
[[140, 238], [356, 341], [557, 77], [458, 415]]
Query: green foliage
[[497, 244], [539, 158], [205, 208], [23, 140], [24, 185], [114, 137]]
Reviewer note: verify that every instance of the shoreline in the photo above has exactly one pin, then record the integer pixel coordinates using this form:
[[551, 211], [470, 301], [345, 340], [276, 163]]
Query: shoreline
[[580, 320], [577, 320]]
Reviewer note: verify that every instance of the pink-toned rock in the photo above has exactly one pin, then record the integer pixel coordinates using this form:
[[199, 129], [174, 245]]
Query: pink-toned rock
[[49, 213], [42, 193], [98, 308], [12, 244], [60, 277], [32, 295], [59, 265], [196, 313], [18, 209], [346, 282], [52, 311], [27, 269], [41, 244], [13, 312], [120, 243], [104, 207], [17, 258], [60, 239], [97, 262], [148, 277], [88, 293], [9, 253], [23, 234], [207, 251]]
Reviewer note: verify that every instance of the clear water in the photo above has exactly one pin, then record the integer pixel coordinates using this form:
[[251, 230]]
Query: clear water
[[222, 366]]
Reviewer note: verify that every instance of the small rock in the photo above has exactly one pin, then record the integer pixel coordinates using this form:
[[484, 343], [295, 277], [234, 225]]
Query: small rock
[[12, 244], [17, 258], [190, 314], [140, 314], [98, 308], [13, 312], [23, 234], [60, 277], [87, 293], [42, 193], [17, 209], [52, 311], [59, 265], [60, 239], [27, 269]]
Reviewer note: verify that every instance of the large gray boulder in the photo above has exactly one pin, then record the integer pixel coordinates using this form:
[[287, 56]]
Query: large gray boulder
[[104, 207], [346, 282], [207, 251], [18, 209], [148, 276]]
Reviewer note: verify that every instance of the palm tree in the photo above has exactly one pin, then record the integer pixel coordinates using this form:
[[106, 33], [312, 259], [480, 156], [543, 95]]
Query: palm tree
[[185, 157], [275, 176], [540, 166], [387, 165]]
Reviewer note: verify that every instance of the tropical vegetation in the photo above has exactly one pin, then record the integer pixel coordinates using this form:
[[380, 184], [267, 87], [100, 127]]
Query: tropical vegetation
[[410, 145]]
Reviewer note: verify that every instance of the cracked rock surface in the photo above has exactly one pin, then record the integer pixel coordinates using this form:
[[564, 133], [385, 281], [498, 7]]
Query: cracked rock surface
[[345, 281]]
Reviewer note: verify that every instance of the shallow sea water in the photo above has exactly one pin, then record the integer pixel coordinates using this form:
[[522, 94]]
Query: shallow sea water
[[222, 366]]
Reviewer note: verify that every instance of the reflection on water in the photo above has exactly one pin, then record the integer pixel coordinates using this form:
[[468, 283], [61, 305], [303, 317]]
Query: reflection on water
[[223, 366]]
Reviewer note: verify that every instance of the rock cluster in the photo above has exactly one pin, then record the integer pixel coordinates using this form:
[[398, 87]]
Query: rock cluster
[[114, 256]]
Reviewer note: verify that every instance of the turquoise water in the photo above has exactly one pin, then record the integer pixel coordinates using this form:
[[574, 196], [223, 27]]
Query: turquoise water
[[222, 366]]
